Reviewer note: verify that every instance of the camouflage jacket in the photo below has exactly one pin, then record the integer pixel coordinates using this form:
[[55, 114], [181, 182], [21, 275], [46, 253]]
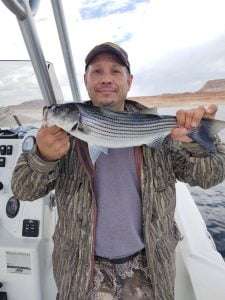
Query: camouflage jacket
[[74, 237]]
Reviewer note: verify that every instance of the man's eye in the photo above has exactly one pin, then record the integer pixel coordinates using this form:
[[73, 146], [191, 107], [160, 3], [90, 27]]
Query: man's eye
[[97, 71], [116, 71]]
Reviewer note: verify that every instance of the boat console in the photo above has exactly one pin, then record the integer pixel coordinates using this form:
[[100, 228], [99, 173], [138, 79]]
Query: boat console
[[26, 230]]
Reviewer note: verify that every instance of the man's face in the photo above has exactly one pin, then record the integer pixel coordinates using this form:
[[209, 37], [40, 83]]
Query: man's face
[[107, 82]]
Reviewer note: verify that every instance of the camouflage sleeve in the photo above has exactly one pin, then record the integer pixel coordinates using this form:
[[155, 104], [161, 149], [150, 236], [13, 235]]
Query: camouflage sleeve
[[193, 165], [33, 177]]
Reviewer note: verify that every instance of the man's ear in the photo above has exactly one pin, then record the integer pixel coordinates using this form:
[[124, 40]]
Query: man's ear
[[130, 80], [85, 79]]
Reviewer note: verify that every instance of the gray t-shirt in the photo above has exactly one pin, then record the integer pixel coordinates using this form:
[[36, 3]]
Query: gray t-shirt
[[117, 188]]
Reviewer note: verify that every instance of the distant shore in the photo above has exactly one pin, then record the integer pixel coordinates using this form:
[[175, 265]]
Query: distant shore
[[182, 99]]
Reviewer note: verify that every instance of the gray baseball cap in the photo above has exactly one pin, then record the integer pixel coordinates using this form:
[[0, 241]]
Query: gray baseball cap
[[108, 48]]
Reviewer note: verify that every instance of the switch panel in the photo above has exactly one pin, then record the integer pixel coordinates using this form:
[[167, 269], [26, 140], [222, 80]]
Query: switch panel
[[2, 162], [3, 150], [3, 296], [9, 150], [30, 228]]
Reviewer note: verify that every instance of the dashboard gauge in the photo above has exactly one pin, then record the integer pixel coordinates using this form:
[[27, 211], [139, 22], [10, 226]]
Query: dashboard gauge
[[12, 207]]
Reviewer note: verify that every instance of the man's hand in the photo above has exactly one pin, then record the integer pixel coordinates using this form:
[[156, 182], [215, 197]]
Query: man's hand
[[187, 119], [52, 142]]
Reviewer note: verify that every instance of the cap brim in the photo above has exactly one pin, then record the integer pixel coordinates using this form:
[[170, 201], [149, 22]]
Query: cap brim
[[107, 49]]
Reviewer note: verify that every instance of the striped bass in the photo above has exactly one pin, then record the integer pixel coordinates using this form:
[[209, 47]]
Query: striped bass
[[103, 129]]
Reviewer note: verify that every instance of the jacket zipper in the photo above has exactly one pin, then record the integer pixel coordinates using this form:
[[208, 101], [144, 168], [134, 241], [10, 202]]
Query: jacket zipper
[[94, 217], [90, 170]]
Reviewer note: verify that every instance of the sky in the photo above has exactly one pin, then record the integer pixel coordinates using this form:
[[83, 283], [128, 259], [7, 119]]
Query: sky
[[173, 45]]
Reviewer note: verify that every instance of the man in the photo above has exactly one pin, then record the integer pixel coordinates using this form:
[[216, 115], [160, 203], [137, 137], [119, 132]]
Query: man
[[116, 236]]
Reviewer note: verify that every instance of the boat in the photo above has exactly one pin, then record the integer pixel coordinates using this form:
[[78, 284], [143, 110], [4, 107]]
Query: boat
[[199, 266], [26, 228]]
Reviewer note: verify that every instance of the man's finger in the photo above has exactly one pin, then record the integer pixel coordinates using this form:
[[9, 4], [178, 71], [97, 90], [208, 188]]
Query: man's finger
[[188, 119], [61, 139], [180, 134], [211, 110], [52, 130], [197, 116], [61, 133], [180, 115]]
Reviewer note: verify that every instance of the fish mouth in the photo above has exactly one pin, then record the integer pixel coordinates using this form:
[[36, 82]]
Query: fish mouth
[[45, 116], [45, 113]]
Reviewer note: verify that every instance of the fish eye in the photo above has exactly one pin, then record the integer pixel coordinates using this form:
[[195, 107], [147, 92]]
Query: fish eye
[[53, 107], [49, 107]]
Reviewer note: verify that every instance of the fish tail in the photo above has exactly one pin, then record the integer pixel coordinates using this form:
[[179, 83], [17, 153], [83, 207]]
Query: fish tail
[[204, 134]]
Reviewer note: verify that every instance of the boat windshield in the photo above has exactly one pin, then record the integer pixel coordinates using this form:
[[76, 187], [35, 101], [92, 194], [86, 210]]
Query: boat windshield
[[20, 94]]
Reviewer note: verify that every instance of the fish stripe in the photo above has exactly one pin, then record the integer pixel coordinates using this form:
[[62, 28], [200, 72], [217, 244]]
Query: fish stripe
[[107, 128]]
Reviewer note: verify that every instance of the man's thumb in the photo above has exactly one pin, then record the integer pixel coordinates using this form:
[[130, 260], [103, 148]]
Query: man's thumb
[[211, 109]]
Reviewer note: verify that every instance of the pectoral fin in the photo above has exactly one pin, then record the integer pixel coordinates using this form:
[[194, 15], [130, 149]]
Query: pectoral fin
[[157, 141], [95, 152]]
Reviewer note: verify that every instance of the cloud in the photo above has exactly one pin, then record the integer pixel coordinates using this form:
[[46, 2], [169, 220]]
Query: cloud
[[18, 82], [168, 42], [118, 27], [101, 8], [181, 71]]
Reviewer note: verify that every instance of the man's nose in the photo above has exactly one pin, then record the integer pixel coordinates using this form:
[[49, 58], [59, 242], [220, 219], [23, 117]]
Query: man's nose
[[106, 78]]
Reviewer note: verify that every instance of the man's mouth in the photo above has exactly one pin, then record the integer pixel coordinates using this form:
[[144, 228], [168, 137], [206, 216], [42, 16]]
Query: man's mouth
[[106, 91]]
